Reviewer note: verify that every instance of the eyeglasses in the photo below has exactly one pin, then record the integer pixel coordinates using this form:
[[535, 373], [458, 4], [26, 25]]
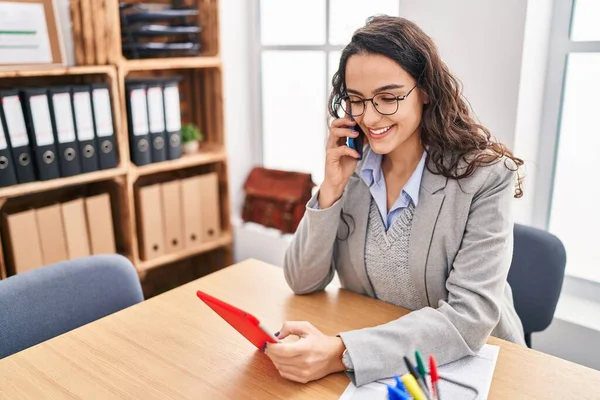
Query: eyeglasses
[[384, 103]]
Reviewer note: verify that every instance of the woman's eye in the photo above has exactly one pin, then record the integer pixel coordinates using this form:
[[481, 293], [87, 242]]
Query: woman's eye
[[388, 99], [355, 102]]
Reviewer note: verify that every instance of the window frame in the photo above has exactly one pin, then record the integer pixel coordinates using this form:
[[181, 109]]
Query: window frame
[[561, 46], [256, 77]]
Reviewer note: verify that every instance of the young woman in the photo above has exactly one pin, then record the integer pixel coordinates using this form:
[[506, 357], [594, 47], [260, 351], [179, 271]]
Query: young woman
[[423, 221]]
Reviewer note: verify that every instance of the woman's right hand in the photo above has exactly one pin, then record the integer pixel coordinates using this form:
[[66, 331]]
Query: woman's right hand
[[340, 161]]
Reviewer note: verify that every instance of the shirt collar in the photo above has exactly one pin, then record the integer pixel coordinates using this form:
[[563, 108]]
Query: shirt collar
[[371, 173], [371, 168], [414, 182]]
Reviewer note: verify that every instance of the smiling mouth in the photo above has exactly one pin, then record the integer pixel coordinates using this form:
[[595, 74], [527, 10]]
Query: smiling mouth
[[381, 132]]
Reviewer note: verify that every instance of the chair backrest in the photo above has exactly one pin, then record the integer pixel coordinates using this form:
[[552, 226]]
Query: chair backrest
[[536, 276], [43, 303]]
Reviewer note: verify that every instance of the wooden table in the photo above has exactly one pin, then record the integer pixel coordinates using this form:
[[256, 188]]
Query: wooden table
[[174, 346]]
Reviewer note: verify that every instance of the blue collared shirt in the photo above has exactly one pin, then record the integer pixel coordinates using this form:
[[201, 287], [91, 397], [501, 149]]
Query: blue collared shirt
[[372, 175]]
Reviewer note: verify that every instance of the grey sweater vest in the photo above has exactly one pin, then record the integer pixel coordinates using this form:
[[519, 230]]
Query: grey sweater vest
[[386, 258]]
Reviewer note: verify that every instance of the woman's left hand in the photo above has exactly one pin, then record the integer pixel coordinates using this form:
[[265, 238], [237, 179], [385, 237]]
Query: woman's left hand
[[309, 358]]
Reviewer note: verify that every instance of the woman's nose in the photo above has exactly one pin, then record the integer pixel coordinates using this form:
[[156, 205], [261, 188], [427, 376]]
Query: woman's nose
[[370, 116]]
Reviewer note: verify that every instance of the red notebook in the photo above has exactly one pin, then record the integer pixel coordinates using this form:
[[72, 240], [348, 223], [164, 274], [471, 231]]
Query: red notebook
[[245, 323]]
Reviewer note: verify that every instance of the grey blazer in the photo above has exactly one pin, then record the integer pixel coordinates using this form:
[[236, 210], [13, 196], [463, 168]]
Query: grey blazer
[[460, 252]]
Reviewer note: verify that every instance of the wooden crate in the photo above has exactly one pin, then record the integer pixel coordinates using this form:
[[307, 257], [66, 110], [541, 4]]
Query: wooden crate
[[67, 76], [169, 276], [201, 99], [96, 29], [224, 240], [116, 189]]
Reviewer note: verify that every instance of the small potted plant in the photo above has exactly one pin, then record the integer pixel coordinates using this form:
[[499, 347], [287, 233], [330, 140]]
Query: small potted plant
[[191, 138]]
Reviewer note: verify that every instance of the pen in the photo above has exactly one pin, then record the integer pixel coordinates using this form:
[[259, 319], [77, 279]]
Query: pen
[[421, 369], [400, 385], [434, 377], [399, 392], [413, 372], [395, 394], [413, 387]]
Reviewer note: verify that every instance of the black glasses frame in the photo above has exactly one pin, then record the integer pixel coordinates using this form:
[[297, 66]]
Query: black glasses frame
[[398, 100]]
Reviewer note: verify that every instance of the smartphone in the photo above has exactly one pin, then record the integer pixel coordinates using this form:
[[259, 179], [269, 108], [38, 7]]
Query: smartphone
[[357, 142]]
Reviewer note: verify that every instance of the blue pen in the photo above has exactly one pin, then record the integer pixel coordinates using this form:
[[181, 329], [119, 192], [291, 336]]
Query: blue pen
[[400, 386], [395, 394]]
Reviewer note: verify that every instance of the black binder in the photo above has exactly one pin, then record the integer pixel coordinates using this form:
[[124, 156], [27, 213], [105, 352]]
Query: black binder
[[41, 134], [137, 120], [18, 140], [172, 118], [61, 111], [103, 123], [8, 175], [84, 126], [156, 120]]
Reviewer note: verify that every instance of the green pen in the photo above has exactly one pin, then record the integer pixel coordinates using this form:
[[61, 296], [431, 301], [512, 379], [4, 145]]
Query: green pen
[[421, 369]]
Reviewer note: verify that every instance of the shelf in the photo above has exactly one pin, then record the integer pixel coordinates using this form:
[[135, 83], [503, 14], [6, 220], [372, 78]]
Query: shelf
[[224, 240], [41, 186], [81, 70], [170, 63], [208, 154]]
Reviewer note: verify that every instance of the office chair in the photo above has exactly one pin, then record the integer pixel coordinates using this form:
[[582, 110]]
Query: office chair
[[40, 304], [536, 277]]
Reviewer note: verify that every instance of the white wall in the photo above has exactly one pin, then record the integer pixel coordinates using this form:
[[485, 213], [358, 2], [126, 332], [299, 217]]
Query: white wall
[[250, 240], [499, 50], [235, 55], [531, 100], [482, 43]]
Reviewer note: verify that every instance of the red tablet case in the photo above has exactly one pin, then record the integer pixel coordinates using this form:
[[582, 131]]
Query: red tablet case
[[245, 323]]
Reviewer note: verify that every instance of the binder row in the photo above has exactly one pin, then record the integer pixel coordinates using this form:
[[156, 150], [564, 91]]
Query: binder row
[[53, 132], [178, 214], [154, 120], [73, 229]]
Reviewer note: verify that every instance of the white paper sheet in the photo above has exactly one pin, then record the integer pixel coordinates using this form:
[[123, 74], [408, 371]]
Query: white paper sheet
[[476, 371], [23, 34]]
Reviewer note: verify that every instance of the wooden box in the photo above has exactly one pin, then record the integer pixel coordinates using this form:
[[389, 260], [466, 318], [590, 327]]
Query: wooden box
[[97, 29], [73, 199], [148, 197]]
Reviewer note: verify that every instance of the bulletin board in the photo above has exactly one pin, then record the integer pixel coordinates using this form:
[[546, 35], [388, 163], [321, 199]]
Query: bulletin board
[[29, 35]]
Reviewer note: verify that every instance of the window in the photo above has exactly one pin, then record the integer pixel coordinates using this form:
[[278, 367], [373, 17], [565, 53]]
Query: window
[[573, 192], [299, 49]]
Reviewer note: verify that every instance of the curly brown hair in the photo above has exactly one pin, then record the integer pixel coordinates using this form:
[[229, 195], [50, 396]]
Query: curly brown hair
[[456, 144]]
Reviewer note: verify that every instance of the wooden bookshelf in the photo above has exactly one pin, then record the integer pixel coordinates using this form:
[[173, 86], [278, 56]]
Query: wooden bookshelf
[[211, 153], [43, 186], [224, 240], [54, 71], [174, 63], [201, 103]]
